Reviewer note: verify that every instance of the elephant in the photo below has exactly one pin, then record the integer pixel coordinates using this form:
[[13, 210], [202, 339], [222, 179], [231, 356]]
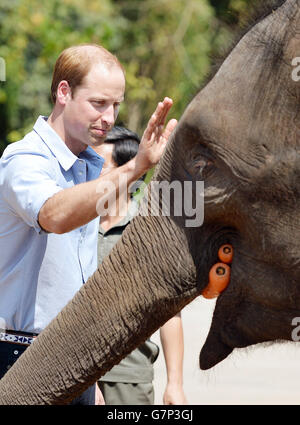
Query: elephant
[[240, 135]]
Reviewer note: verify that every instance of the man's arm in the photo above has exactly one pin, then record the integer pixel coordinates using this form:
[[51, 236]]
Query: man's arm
[[171, 335], [74, 207]]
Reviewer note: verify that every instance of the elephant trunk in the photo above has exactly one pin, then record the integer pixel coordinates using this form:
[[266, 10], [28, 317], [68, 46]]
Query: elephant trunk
[[148, 277]]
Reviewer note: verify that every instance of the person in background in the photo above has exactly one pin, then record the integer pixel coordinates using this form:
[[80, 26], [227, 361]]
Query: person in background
[[130, 382]]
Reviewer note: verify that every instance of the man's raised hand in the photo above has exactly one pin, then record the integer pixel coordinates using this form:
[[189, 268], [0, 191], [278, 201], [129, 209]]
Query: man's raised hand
[[155, 137]]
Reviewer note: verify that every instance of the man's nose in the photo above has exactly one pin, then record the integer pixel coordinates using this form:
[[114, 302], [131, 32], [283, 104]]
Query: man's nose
[[108, 115]]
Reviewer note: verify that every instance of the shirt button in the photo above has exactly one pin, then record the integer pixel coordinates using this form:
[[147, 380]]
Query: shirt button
[[16, 352], [80, 173]]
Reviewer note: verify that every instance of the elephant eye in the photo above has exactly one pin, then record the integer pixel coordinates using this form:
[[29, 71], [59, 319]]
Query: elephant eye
[[202, 166]]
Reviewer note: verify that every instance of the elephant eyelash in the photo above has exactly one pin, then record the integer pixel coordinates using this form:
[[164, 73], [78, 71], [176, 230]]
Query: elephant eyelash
[[202, 164]]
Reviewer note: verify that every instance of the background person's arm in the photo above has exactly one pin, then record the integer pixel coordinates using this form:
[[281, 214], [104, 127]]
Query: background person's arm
[[74, 207], [171, 335], [99, 399]]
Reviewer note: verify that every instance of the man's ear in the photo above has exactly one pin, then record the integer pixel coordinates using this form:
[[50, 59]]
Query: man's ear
[[63, 93]]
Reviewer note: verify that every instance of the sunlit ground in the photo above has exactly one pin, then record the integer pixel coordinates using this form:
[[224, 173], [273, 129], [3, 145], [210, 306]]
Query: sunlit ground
[[257, 375]]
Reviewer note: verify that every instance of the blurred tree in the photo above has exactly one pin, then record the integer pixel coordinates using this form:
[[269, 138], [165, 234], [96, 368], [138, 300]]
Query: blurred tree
[[32, 34], [232, 14], [164, 45], [165, 48]]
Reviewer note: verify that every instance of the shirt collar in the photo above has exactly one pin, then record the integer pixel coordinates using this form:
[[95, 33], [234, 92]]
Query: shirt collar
[[65, 157], [94, 163], [92, 157]]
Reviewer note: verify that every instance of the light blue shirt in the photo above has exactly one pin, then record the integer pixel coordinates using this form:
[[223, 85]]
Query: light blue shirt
[[39, 271]]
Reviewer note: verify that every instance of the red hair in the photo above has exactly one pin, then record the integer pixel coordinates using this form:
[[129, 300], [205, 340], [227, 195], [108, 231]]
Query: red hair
[[74, 63]]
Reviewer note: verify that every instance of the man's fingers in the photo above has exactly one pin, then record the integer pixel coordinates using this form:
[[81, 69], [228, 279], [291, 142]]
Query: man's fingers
[[157, 120], [166, 106], [171, 125], [151, 125], [161, 112], [165, 137], [169, 128]]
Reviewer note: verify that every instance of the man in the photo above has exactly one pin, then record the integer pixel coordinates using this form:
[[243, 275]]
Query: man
[[48, 198]]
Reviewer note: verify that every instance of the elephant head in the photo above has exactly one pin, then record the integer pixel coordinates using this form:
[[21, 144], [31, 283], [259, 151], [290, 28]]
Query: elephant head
[[240, 136]]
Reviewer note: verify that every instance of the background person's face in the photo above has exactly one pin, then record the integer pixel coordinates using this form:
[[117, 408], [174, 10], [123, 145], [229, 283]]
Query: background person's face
[[91, 112], [106, 150]]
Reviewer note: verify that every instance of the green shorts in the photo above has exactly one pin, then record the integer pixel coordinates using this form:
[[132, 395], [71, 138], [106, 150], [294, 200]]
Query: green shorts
[[122, 393]]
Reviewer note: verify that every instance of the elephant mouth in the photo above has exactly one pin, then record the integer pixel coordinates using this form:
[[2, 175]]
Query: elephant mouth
[[224, 246], [221, 250], [251, 311]]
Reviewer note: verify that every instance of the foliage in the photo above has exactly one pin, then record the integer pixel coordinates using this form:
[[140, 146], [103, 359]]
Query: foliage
[[167, 49], [32, 34], [165, 46]]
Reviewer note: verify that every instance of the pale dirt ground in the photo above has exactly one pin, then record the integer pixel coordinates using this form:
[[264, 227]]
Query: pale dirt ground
[[257, 375]]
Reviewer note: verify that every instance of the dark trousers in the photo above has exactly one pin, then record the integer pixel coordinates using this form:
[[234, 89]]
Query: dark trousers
[[10, 352], [87, 398]]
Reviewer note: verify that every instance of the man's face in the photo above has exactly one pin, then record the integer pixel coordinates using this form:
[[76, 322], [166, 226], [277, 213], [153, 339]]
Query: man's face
[[92, 110]]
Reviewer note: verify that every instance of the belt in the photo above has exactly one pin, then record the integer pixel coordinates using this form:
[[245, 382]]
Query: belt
[[16, 337]]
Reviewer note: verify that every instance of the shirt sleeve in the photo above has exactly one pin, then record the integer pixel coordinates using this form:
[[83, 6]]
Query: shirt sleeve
[[28, 180]]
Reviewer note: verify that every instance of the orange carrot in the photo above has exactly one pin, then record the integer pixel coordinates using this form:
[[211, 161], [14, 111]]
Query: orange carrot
[[225, 254], [219, 277]]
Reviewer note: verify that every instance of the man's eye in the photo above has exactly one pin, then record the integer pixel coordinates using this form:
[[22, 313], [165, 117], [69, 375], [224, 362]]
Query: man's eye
[[98, 102]]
